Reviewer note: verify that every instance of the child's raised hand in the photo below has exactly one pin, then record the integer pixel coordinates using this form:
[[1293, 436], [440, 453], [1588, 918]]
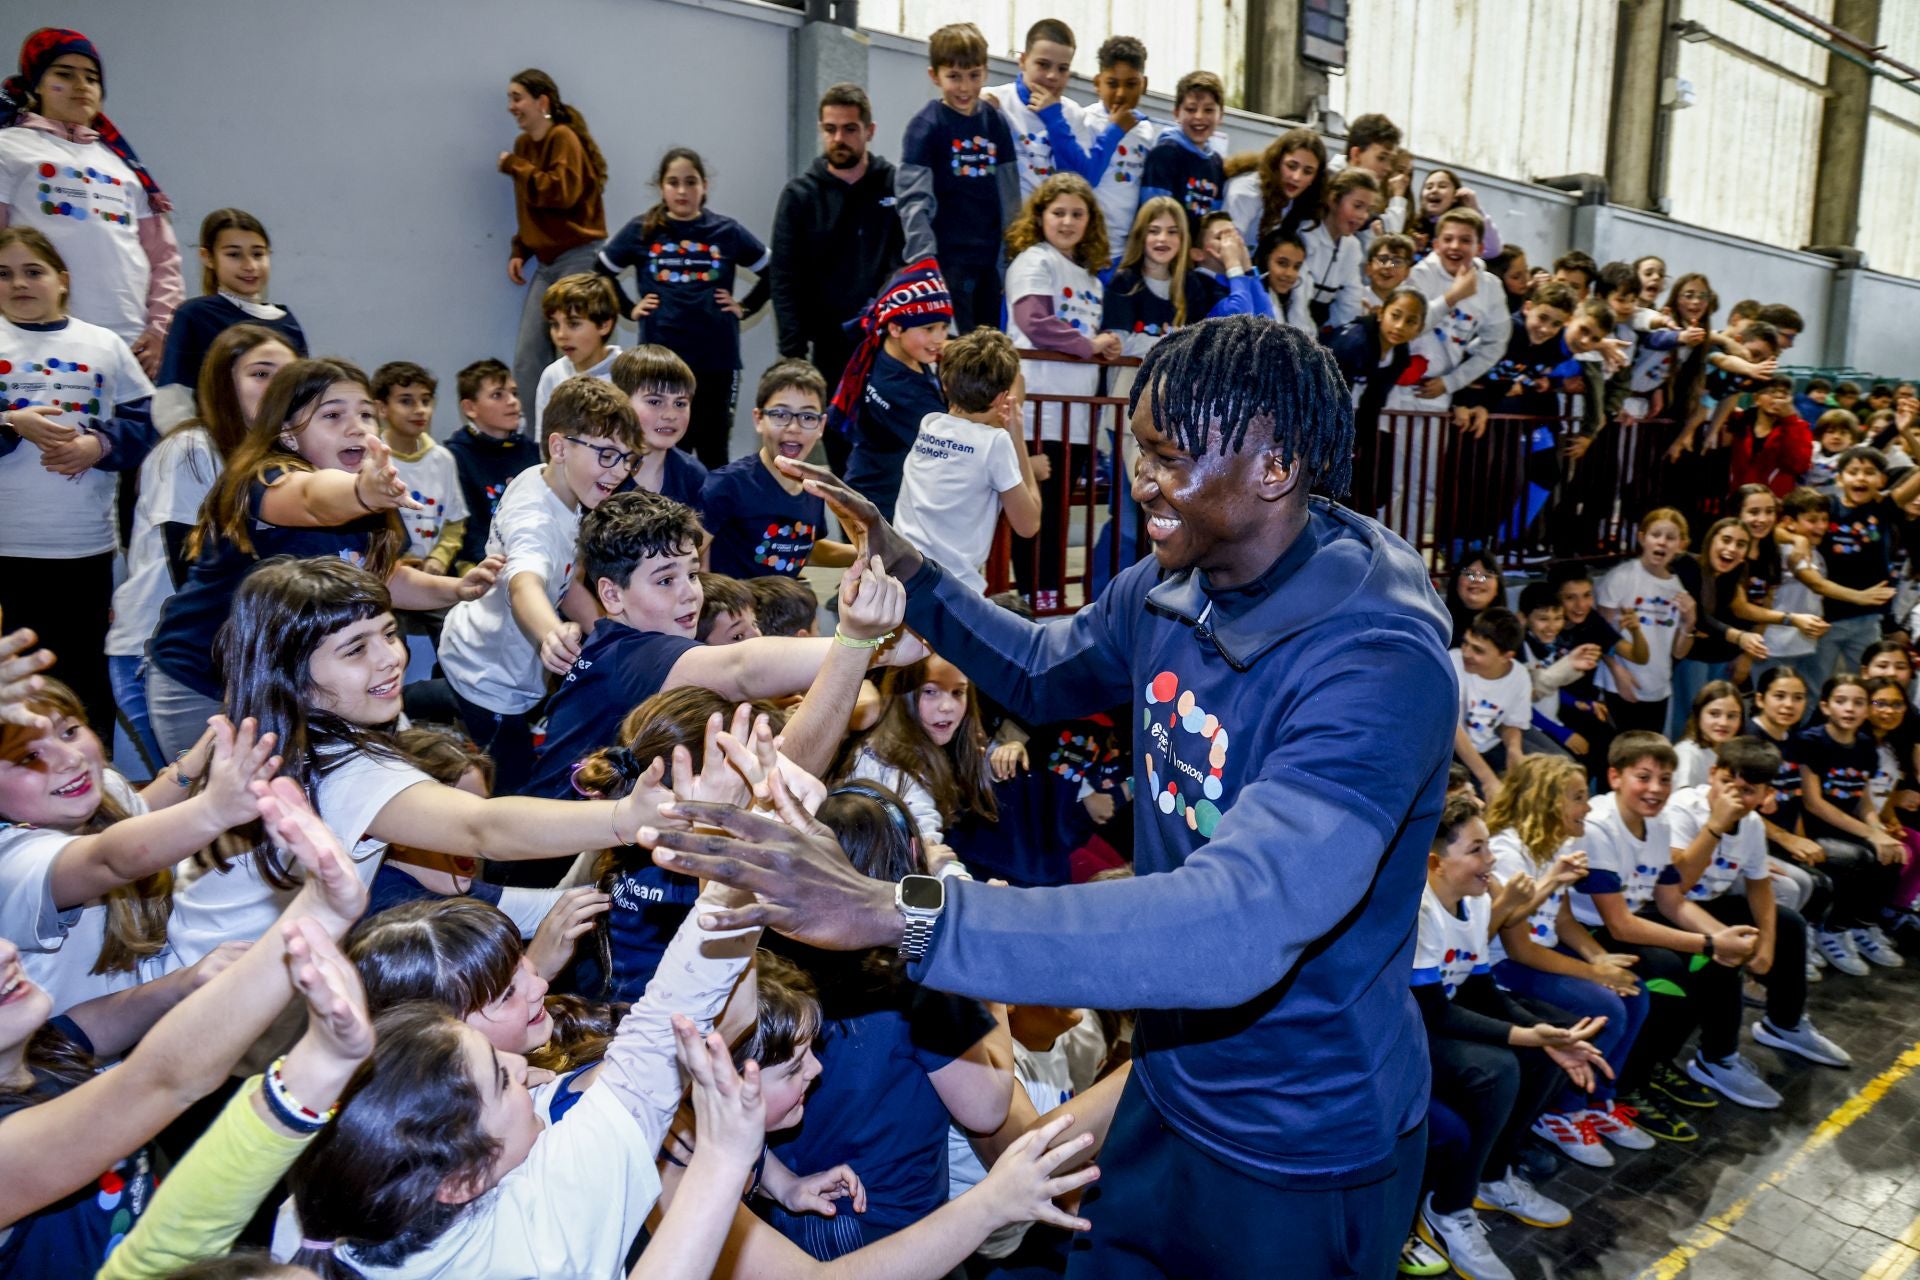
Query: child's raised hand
[[1585, 657], [37, 426], [872, 603], [560, 647], [1008, 759], [729, 1113], [296, 829], [19, 663], [238, 758], [377, 483], [1568, 869], [338, 1025], [479, 580], [1511, 900], [730, 772], [1021, 1186], [563, 926]]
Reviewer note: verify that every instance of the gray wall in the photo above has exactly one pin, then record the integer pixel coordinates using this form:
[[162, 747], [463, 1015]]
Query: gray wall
[[364, 133]]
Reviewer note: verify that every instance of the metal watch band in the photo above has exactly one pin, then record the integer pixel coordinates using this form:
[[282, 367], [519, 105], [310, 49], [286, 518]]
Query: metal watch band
[[916, 937]]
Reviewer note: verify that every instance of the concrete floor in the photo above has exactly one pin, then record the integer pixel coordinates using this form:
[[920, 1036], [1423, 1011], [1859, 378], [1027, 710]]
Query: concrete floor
[[1828, 1186]]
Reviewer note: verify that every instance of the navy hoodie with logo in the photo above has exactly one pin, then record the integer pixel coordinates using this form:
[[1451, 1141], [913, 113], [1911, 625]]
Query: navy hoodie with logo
[[1291, 748]]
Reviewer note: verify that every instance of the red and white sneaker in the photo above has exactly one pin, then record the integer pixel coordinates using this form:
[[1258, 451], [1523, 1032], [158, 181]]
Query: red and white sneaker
[[1577, 1136], [1615, 1123]]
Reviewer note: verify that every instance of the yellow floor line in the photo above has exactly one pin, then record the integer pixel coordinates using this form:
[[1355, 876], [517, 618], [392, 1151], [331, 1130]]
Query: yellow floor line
[[1714, 1229], [1899, 1256]]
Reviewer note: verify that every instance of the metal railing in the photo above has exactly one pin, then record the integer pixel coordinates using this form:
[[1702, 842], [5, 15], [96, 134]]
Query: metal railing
[[1517, 489]]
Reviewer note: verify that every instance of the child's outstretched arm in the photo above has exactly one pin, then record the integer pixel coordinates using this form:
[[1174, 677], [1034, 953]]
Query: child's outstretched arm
[[52, 1150], [134, 848], [217, 1187], [872, 604], [913, 191]]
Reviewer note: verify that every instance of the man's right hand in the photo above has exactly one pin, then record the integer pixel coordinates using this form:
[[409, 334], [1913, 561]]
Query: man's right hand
[[802, 882], [872, 535]]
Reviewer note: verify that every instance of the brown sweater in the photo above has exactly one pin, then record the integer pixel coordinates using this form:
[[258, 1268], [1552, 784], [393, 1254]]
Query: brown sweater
[[556, 198]]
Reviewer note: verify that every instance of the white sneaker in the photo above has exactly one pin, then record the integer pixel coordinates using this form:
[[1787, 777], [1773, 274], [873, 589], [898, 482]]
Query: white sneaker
[[1813, 968], [1615, 1125], [1737, 1079], [1515, 1196], [1463, 1238], [1873, 945], [1839, 951], [1803, 1040], [1577, 1137], [1813, 952]]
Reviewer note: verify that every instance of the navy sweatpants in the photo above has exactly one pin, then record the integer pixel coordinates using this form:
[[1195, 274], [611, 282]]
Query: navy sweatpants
[[1166, 1210]]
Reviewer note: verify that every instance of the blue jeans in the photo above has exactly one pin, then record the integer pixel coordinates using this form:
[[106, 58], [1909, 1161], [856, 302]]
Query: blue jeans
[[1582, 999], [1844, 642], [130, 695], [1689, 678]]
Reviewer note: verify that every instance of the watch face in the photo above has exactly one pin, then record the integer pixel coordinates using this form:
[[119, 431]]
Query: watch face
[[923, 893]]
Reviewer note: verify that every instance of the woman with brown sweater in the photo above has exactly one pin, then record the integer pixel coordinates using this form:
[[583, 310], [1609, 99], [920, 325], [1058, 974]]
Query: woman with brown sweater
[[558, 175]]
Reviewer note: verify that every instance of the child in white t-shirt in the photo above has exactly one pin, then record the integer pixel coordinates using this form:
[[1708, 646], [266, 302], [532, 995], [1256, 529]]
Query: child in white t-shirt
[[495, 651], [403, 398], [581, 310], [1496, 698], [1650, 589], [971, 462]]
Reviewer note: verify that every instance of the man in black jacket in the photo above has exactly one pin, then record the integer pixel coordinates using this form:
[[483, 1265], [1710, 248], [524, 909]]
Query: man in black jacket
[[836, 240]]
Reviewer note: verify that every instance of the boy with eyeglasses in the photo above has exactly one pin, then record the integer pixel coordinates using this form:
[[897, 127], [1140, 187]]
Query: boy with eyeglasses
[[761, 521], [495, 651]]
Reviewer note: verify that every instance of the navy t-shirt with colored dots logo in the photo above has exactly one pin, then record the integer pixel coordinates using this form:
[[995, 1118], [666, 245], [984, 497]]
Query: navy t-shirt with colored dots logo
[[1197, 180], [74, 1235], [963, 153], [684, 263], [759, 529], [1843, 769]]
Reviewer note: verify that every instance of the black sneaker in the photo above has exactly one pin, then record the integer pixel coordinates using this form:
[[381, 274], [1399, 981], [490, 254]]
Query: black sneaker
[[1687, 1093], [1649, 1116]]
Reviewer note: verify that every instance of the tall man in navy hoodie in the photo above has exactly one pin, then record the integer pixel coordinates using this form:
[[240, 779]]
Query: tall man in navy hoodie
[[1287, 660]]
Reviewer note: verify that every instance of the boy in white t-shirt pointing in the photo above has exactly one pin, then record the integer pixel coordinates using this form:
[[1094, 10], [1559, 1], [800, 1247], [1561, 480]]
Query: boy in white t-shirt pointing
[[971, 462]]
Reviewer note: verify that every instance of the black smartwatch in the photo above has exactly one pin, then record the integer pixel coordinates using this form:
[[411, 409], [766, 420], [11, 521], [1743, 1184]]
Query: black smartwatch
[[1706, 945]]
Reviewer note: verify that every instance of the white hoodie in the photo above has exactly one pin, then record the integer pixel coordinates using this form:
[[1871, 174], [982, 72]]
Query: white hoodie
[[1474, 332]]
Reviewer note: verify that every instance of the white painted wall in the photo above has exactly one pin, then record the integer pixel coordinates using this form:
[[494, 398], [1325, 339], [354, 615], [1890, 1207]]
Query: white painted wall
[[1890, 193], [1455, 76], [1743, 157]]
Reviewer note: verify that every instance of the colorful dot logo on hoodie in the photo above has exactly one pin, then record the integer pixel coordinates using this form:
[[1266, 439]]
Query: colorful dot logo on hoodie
[[1181, 713], [784, 547]]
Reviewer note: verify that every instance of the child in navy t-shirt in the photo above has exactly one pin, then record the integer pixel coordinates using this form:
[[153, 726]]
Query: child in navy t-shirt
[[760, 519], [959, 178], [684, 257], [488, 450], [1181, 165], [660, 386]]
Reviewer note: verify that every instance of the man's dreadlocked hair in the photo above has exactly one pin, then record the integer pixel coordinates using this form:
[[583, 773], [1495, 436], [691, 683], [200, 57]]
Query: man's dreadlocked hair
[[1236, 372]]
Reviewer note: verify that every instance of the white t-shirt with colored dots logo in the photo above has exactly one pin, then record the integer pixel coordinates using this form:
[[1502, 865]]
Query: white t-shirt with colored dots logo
[[1452, 946], [88, 202], [1489, 705], [433, 481], [1185, 754], [1510, 858], [1740, 855], [1619, 863], [84, 371], [1046, 272], [1632, 585]]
